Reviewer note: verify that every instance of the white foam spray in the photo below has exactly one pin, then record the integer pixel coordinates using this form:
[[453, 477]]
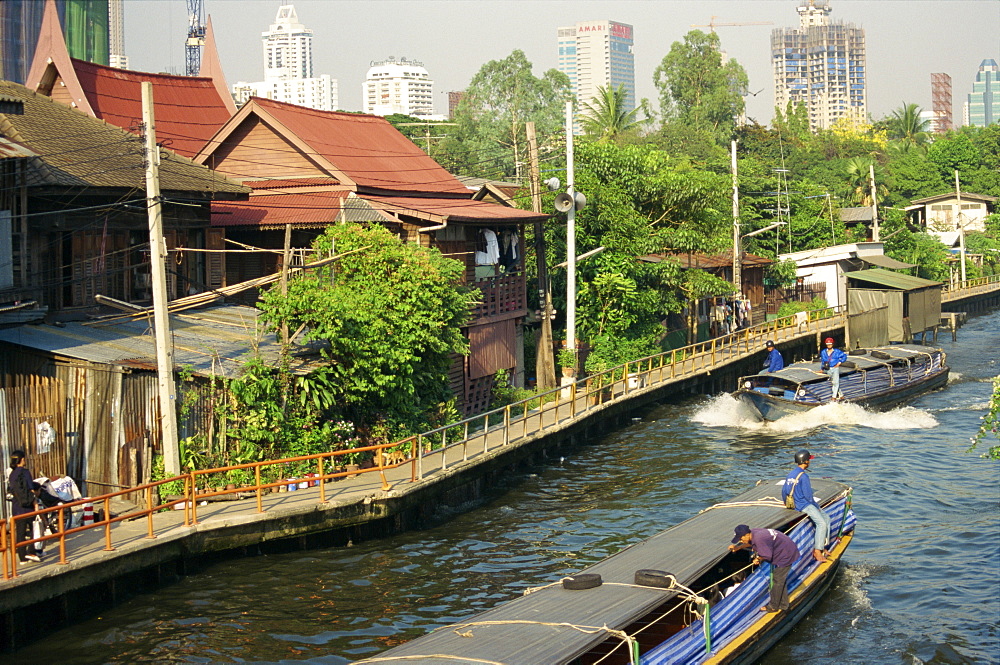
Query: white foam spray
[[726, 411]]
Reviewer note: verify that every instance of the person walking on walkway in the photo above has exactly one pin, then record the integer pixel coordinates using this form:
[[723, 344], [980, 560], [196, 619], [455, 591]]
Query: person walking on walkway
[[831, 358], [798, 488], [774, 359], [23, 492], [779, 550]]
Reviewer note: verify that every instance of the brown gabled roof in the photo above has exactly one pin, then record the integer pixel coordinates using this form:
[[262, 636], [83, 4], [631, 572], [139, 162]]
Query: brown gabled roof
[[464, 211], [188, 110], [76, 150], [315, 209], [950, 195], [364, 152]]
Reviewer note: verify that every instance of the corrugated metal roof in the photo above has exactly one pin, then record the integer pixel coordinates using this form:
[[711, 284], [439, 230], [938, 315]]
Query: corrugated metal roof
[[213, 341], [9, 149], [272, 210], [861, 214], [289, 183], [886, 261], [367, 148], [893, 280], [686, 551], [188, 109], [951, 195], [77, 150], [454, 210]]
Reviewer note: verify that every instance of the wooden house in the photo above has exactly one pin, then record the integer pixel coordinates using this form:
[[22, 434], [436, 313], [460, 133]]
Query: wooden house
[[309, 168]]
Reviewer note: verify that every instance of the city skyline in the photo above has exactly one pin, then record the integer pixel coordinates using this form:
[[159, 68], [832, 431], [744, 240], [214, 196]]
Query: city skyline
[[905, 40]]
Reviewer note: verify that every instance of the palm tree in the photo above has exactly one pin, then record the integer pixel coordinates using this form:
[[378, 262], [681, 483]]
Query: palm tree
[[859, 189], [606, 116], [907, 127]]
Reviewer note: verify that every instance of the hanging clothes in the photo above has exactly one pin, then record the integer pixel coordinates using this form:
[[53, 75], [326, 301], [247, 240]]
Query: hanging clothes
[[491, 256]]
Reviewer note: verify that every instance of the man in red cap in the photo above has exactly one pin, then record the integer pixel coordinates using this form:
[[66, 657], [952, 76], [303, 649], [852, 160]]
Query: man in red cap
[[830, 360]]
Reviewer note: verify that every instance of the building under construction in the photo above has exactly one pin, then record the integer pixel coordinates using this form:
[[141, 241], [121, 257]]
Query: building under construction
[[820, 64]]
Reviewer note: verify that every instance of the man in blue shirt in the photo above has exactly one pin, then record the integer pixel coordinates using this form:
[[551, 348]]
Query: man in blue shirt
[[830, 360], [774, 359], [798, 486], [775, 547]]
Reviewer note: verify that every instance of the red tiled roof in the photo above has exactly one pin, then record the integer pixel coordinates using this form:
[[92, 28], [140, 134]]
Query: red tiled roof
[[366, 148], [455, 210], [188, 110], [319, 208]]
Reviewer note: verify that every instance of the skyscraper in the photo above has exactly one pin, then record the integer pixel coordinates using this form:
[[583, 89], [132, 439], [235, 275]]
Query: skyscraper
[[597, 53], [84, 24], [288, 67], [398, 86], [983, 106], [820, 64]]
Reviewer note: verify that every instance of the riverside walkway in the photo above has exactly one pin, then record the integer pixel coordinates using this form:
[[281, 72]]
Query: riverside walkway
[[121, 552]]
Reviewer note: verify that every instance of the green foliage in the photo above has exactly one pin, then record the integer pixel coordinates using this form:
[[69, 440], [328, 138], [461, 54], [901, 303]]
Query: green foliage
[[566, 358], [789, 308], [697, 88], [988, 248], [907, 127], [386, 317], [501, 98], [782, 273], [990, 429], [607, 118], [504, 392]]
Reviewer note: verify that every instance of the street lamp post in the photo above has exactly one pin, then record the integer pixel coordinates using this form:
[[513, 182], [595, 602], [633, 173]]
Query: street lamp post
[[570, 236]]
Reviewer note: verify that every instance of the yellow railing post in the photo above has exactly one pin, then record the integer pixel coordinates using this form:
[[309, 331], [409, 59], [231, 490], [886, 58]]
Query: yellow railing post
[[260, 490], [149, 514]]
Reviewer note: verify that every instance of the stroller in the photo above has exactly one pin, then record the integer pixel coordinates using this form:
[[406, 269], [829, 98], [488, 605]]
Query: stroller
[[57, 520]]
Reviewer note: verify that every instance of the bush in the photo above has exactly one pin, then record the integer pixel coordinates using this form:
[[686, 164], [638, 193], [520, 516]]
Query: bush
[[790, 308]]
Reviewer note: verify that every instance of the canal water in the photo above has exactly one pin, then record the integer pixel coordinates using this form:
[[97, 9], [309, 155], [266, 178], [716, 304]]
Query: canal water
[[919, 585]]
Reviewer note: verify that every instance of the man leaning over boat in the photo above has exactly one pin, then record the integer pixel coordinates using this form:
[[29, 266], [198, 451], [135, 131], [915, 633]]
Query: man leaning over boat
[[797, 494], [779, 550]]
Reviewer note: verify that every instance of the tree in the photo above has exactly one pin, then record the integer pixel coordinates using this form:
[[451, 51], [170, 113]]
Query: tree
[[857, 172], [503, 96], [697, 88], [385, 317], [607, 118], [906, 126], [990, 429]]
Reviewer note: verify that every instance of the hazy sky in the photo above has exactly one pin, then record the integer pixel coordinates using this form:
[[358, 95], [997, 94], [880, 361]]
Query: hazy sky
[[907, 39]]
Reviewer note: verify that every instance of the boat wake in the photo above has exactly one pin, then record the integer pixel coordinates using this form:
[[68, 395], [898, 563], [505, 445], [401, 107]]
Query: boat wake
[[727, 411]]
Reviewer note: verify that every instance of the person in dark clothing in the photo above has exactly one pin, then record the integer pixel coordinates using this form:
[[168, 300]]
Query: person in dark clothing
[[779, 550], [24, 491], [774, 359]]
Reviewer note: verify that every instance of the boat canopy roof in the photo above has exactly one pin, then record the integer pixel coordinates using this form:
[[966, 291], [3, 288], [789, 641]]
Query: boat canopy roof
[[808, 370], [555, 625]]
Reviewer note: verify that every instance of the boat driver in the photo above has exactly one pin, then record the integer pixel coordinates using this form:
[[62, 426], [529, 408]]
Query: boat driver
[[831, 359]]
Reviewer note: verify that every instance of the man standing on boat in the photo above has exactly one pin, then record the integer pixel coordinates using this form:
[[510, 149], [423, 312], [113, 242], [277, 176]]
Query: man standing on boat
[[799, 488], [779, 550], [774, 359], [831, 358]]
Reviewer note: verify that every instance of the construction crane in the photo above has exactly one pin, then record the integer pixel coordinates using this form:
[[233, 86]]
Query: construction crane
[[195, 37], [712, 24]]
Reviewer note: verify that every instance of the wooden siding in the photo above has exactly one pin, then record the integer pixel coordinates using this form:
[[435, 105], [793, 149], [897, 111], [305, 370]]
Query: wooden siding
[[256, 151], [491, 348]]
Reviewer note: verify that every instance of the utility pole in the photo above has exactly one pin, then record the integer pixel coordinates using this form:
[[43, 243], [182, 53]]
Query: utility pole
[[545, 368], [161, 317], [871, 183], [570, 237], [737, 245], [961, 229]]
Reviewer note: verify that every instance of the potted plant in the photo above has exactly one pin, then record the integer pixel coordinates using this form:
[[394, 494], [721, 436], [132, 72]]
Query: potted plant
[[567, 360]]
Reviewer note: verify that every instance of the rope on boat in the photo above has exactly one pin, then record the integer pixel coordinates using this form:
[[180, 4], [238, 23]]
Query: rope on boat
[[768, 501], [631, 642], [847, 508]]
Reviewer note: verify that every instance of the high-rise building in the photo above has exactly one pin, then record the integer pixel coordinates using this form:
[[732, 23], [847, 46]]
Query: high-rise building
[[941, 102], [84, 24], [820, 64], [597, 54], [983, 106], [398, 86], [288, 67]]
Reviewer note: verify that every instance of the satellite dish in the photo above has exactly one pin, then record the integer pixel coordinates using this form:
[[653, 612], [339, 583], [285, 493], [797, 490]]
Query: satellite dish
[[564, 202]]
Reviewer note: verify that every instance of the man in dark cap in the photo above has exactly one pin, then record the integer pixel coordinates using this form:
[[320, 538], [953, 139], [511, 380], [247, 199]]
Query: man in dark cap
[[776, 548], [774, 359], [798, 486]]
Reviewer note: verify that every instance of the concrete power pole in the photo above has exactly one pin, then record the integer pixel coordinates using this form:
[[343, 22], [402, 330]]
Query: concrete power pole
[[961, 229], [545, 364], [871, 183], [161, 317], [737, 248]]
